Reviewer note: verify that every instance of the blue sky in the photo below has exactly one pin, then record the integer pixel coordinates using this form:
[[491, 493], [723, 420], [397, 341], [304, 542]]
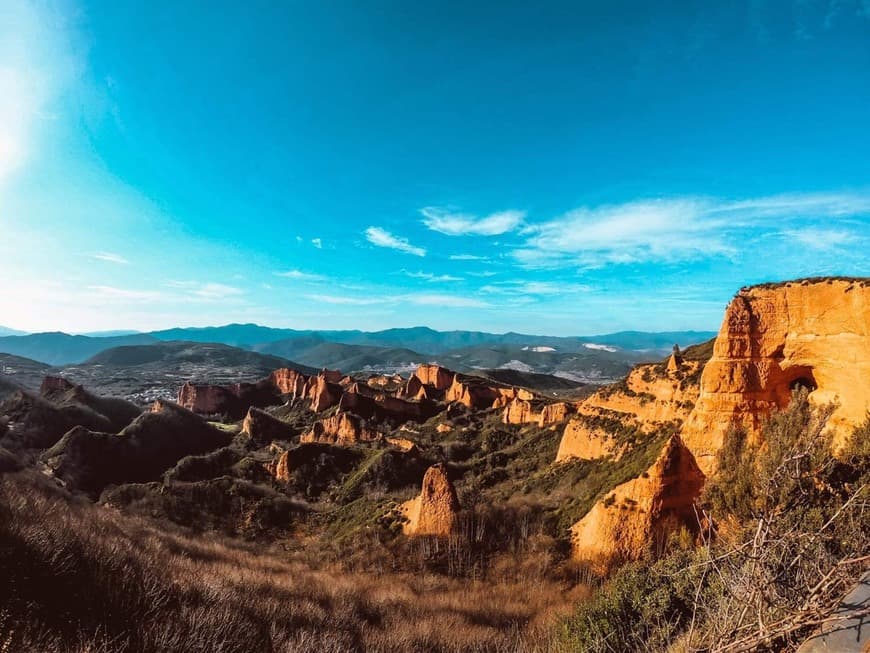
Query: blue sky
[[560, 168]]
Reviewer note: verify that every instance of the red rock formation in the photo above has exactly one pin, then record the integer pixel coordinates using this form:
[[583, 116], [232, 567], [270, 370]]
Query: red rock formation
[[555, 413], [263, 428], [289, 381], [434, 511], [332, 376], [647, 400], [520, 411], [403, 444], [814, 333], [438, 377], [384, 381], [641, 513], [206, 399], [472, 392], [52, 385], [323, 393], [341, 428], [282, 469]]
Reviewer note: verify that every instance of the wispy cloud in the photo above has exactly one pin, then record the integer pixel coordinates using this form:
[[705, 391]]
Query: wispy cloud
[[113, 293], [217, 291], [349, 301], [429, 276], [209, 291], [438, 299], [417, 299], [317, 242], [534, 288], [383, 238], [299, 275], [671, 230], [821, 239], [463, 224], [467, 257], [109, 257]]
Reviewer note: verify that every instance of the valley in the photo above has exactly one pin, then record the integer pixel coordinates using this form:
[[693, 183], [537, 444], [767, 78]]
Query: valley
[[494, 510]]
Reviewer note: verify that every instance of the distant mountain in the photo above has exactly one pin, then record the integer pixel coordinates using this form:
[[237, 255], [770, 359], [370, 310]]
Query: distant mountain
[[357, 358], [109, 334], [6, 331], [58, 348], [389, 349], [237, 335], [425, 340]]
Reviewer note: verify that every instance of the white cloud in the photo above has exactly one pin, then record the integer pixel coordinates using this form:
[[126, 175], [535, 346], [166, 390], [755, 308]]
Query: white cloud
[[216, 291], [109, 257], [205, 291], [418, 299], [350, 301], [534, 288], [317, 243], [461, 224], [820, 239], [437, 299], [429, 276], [670, 230], [383, 238], [467, 257], [113, 293], [298, 275]]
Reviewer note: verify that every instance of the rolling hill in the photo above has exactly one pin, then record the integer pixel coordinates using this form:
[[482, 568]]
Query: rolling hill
[[57, 348]]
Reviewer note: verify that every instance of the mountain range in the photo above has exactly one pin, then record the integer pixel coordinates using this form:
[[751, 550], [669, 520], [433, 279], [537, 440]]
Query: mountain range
[[312, 346]]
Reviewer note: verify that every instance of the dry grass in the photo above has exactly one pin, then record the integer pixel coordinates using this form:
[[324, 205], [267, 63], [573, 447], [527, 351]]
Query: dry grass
[[83, 578]]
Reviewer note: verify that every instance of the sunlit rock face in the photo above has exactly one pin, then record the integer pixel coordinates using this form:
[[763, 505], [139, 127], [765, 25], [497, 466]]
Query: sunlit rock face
[[651, 397], [812, 333], [434, 511], [641, 513]]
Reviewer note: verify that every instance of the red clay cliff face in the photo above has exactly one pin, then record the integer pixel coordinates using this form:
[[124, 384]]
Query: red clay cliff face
[[814, 333], [651, 397], [436, 376], [435, 510], [341, 428], [264, 428], [289, 381], [641, 513]]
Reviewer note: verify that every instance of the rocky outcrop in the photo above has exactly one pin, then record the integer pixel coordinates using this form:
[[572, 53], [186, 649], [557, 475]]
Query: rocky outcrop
[[282, 467], [436, 376], [520, 411], [774, 337], [556, 413], [341, 428], [403, 444], [264, 428], [648, 399], [383, 407], [54, 385], [383, 381], [323, 393], [641, 513], [586, 438], [471, 392], [434, 511], [289, 382]]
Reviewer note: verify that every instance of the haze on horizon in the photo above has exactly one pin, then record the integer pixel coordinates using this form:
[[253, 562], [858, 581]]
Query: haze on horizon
[[567, 169]]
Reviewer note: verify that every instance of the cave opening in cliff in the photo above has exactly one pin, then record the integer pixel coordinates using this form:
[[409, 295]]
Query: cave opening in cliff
[[794, 378], [798, 378]]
